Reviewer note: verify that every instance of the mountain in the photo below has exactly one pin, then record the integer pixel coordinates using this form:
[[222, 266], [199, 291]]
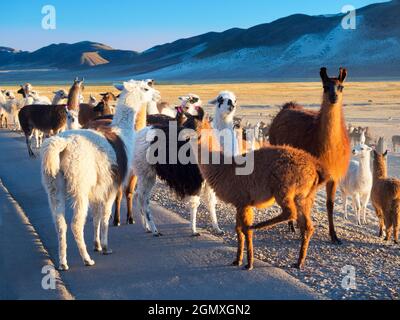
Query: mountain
[[288, 48]]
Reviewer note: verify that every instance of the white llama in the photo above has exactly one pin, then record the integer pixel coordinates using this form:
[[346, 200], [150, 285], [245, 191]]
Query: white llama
[[88, 167], [358, 182]]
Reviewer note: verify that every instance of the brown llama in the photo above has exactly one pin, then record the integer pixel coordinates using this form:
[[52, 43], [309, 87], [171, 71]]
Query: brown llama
[[322, 133], [386, 198], [88, 113], [281, 174]]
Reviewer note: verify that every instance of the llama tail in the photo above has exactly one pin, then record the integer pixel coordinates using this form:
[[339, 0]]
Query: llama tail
[[51, 151], [323, 175]]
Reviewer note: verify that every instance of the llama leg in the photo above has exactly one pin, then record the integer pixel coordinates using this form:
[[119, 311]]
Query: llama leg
[[240, 236], [117, 211], [78, 225], [56, 191], [139, 202], [248, 220], [37, 138], [344, 199], [357, 207], [289, 213], [96, 227], [129, 192], [28, 141], [105, 220], [194, 202], [379, 214], [331, 188], [388, 223], [364, 204], [307, 229], [144, 194], [211, 204]]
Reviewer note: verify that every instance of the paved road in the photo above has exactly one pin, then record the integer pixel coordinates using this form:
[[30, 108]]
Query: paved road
[[175, 266]]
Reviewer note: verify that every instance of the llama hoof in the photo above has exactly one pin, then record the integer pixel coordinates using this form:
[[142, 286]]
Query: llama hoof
[[106, 252], [89, 263], [158, 234], [116, 224], [248, 267], [236, 263], [336, 240], [130, 221], [220, 232], [97, 249], [63, 267], [196, 234], [298, 266]]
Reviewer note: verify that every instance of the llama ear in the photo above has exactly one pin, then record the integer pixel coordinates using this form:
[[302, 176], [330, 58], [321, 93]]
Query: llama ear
[[342, 74], [119, 86], [386, 153], [324, 74]]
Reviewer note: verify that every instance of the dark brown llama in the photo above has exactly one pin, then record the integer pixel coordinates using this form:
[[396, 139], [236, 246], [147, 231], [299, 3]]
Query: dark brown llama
[[50, 119], [385, 198], [322, 133]]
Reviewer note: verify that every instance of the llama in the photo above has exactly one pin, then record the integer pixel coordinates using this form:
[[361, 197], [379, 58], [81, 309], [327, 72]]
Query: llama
[[281, 174], [358, 182], [88, 113], [88, 167], [322, 133], [12, 107], [51, 118], [58, 97], [395, 142], [3, 112], [184, 179], [190, 105], [386, 198]]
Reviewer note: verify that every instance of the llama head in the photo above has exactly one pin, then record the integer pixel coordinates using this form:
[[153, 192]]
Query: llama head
[[9, 95], [150, 82], [333, 87], [61, 94], [108, 96], [362, 151], [380, 166], [136, 93], [226, 105], [190, 103]]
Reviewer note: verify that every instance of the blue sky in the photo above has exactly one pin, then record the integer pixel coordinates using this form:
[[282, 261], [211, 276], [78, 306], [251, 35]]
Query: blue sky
[[139, 25]]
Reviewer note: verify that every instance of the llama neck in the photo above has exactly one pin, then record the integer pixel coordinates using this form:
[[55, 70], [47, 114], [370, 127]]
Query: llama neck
[[56, 100], [152, 109], [228, 139], [365, 166], [331, 124], [141, 118], [124, 118], [380, 170]]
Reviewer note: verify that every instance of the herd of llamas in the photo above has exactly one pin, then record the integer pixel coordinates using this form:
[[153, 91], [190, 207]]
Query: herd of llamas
[[95, 153]]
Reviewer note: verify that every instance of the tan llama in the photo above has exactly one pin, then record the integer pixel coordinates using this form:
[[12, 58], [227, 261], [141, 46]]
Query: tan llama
[[386, 198], [281, 174], [322, 133]]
